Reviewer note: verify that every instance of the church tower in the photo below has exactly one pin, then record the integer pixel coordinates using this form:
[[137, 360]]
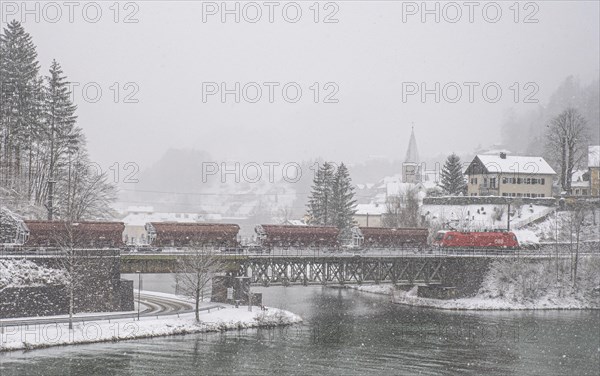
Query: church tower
[[411, 169]]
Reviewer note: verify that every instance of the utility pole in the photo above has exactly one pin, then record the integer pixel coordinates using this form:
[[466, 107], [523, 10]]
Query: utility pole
[[556, 241], [139, 290], [249, 298], [508, 216]]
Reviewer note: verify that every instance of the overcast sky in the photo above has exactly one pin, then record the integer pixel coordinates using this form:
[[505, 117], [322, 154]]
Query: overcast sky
[[369, 55]]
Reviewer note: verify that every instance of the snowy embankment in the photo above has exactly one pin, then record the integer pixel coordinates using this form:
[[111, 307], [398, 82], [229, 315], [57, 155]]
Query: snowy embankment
[[510, 285], [482, 302], [226, 318], [25, 273], [484, 216]]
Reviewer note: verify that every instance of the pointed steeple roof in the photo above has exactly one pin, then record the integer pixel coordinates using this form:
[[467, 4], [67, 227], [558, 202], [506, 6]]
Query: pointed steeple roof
[[412, 154]]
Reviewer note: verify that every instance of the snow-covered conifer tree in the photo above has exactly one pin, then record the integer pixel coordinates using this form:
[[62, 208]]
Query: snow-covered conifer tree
[[453, 179]]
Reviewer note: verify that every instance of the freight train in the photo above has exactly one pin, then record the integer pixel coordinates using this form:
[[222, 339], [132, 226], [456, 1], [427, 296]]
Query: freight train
[[224, 236]]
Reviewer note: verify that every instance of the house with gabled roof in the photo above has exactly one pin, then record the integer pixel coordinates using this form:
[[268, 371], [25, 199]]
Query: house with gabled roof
[[509, 176]]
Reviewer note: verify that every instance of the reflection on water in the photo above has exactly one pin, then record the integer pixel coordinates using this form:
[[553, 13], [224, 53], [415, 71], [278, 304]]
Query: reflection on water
[[345, 333]]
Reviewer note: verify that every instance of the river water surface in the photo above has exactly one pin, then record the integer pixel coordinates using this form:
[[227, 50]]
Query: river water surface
[[345, 333]]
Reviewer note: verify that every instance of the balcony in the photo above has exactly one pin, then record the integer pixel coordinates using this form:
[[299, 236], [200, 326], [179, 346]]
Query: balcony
[[487, 191]]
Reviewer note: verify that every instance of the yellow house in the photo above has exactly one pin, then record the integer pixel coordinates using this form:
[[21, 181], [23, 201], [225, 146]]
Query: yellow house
[[509, 176]]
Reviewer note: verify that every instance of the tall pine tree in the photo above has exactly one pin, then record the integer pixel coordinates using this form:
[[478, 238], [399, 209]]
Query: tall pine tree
[[59, 122], [453, 179], [343, 203], [19, 106], [39, 138], [320, 201]]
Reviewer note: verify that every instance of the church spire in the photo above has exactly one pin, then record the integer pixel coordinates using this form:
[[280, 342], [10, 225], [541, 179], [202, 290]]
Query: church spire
[[412, 154]]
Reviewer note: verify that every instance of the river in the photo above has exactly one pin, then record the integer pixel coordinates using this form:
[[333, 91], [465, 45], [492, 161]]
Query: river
[[345, 333]]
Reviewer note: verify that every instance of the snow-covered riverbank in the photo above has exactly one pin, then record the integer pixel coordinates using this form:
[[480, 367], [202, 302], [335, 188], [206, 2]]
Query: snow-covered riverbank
[[226, 318], [482, 302], [510, 285]]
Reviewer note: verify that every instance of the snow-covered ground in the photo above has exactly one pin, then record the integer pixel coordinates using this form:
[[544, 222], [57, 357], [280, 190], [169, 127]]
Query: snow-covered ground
[[480, 217], [527, 238], [561, 225], [510, 285], [226, 318], [482, 302], [22, 272]]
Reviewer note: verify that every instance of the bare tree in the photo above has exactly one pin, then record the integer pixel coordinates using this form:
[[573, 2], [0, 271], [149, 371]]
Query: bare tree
[[86, 282], [194, 272], [576, 221], [402, 210], [85, 193], [65, 237], [566, 143]]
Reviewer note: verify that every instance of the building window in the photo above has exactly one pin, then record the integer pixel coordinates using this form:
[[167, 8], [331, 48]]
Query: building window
[[543, 181], [492, 182], [504, 180]]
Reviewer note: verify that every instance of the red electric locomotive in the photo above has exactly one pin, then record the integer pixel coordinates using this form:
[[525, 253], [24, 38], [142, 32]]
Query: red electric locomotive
[[491, 239]]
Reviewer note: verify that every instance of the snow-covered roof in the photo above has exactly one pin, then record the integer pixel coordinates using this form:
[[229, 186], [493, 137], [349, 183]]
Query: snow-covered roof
[[140, 209], [514, 164], [578, 176], [295, 222], [396, 188], [371, 209], [594, 156]]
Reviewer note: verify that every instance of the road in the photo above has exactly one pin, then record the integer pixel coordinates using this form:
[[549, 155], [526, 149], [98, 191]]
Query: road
[[154, 305]]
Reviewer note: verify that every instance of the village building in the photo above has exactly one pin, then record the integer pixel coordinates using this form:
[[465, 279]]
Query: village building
[[411, 168], [594, 169], [137, 217], [370, 215], [412, 178], [509, 176], [580, 183]]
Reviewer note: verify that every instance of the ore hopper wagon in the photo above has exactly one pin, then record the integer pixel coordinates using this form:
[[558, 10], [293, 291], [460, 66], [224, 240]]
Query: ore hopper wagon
[[86, 234], [184, 235], [379, 237], [286, 236]]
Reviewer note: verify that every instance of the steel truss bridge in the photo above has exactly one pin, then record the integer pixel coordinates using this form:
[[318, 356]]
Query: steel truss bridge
[[269, 271]]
